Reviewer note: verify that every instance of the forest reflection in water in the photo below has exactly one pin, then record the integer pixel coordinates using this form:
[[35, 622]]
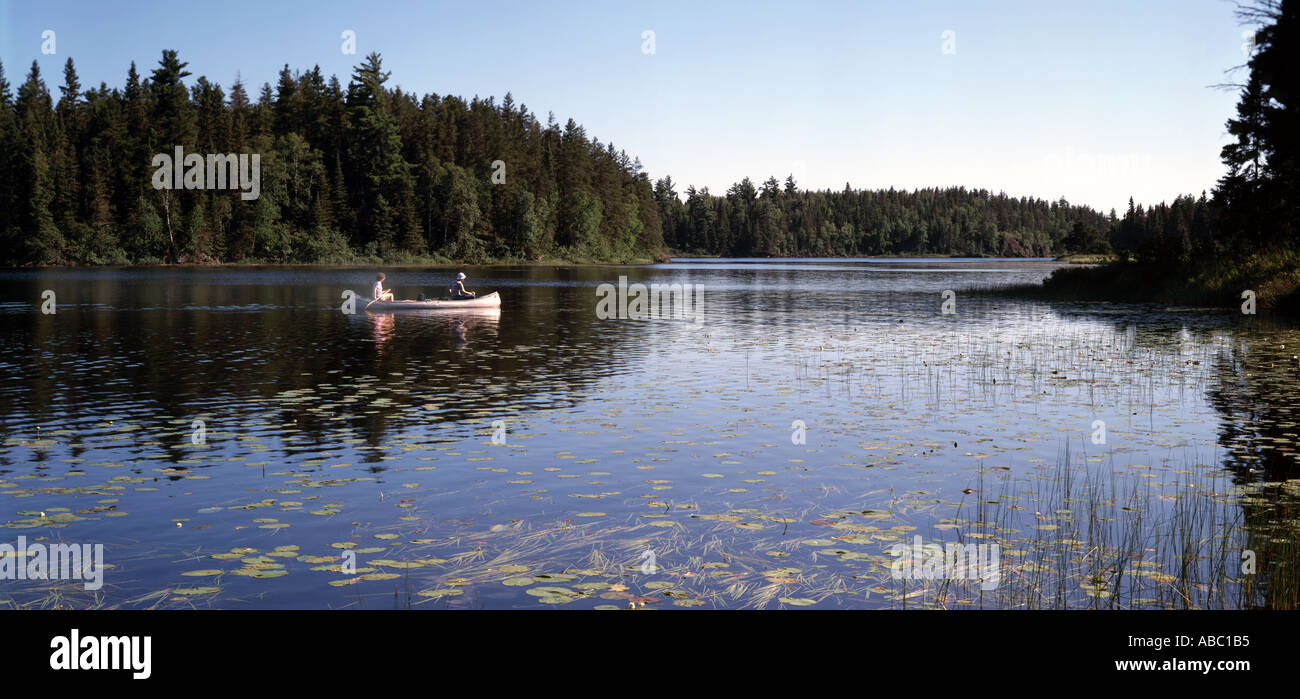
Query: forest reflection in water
[[534, 454]]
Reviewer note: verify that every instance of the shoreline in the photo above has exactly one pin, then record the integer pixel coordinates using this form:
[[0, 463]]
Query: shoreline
[[358, 263], [555, 262], [1272, 281]]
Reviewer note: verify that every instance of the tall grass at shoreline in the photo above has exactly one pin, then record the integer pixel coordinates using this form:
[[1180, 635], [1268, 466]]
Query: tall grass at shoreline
[[1081, 536]]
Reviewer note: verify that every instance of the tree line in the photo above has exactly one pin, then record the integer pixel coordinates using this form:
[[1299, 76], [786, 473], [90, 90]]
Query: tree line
[[779, 219], [367, 171], [372, 172], [362, 171]]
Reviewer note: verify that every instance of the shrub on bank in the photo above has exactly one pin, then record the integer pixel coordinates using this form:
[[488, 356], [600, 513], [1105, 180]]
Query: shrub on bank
[[1274, 276]]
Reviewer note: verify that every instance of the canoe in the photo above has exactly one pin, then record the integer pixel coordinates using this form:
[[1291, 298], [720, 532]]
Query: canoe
[[492, 300]]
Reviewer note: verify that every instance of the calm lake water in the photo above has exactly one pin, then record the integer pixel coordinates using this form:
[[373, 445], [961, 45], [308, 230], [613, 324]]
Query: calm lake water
[[233, 439]]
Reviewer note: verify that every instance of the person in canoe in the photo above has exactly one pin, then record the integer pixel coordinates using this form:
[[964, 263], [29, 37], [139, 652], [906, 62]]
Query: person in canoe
[[457, 289], [381, 294]]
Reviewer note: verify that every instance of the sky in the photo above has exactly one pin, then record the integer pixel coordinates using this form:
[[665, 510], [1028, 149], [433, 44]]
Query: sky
[[1091, 101]]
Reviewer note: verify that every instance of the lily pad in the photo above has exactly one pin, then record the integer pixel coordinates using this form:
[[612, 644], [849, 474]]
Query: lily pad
[[546, 590]]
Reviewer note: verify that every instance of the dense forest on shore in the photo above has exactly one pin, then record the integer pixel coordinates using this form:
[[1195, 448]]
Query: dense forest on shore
[[345, 173], [777, 219], [369, 172]]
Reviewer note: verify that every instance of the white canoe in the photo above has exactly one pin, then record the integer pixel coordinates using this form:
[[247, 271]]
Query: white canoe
[[492, 300]]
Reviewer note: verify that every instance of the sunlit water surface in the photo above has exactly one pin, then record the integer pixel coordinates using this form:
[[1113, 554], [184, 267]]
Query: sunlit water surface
[[235, 440]]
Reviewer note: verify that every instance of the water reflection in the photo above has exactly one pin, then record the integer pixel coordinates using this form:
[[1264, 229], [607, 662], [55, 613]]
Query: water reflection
[[1252, 383], [626, 434], [384, 324], [1256, 396]]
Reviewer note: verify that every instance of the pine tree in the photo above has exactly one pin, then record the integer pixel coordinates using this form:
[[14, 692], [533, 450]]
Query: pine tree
[[381, 176], [8, 142], [171, 114], [41, 241], [1257, 195]]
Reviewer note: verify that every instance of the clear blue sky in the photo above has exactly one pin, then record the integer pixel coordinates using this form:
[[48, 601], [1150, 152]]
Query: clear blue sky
[[1092, 101]]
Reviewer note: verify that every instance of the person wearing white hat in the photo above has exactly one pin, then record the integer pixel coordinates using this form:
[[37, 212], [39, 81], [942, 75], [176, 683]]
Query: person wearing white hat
[[457, 288]]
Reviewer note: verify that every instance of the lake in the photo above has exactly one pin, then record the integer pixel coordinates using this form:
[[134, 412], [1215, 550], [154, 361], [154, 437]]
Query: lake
[[812, 433]]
